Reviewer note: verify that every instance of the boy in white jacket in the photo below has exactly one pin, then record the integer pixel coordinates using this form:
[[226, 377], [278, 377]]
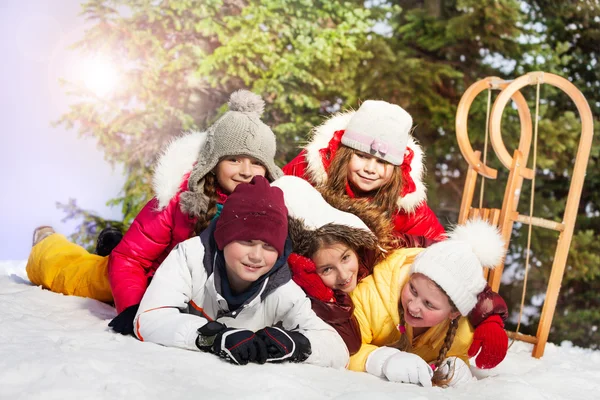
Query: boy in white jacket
[[229, 291]]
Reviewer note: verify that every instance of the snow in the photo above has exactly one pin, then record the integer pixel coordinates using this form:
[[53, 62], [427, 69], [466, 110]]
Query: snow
[[59, 347]]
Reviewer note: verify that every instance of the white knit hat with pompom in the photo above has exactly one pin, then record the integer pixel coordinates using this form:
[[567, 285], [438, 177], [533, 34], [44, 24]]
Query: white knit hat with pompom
[[456, 264]]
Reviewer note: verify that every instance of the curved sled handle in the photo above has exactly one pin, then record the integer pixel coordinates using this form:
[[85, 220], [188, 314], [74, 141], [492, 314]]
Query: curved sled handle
[[462, 114], [533, 78]]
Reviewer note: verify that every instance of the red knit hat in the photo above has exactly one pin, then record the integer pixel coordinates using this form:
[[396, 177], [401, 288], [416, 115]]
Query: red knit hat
[[254, 211]]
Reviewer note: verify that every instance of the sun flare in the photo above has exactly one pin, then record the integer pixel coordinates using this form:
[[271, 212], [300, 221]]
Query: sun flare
[[100, 75]]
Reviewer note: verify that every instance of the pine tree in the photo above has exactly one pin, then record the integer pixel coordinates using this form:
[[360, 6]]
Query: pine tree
[[181, 59]]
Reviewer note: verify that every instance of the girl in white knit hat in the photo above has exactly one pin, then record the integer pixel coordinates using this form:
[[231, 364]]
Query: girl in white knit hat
[[411, 309]]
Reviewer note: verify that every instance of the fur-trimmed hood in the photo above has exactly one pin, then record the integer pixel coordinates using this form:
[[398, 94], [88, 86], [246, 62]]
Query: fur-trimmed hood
[[174, 164], [303, 238], [321, 136]]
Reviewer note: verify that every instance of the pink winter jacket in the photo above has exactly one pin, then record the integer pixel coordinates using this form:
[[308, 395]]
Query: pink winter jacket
[[159, 227], [151, 237]]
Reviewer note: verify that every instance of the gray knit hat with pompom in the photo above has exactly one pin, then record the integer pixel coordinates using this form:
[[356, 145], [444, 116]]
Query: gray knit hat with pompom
[[239, 132]]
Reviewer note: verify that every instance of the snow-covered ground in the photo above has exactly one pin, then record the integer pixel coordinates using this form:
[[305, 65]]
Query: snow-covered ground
[[59, 347]]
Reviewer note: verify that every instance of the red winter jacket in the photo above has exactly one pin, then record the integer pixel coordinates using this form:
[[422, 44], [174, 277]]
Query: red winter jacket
[[151, 237], [421, 221]]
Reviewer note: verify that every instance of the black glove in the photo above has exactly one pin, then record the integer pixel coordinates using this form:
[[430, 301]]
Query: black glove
[[238, 346], [108, 239], [123, 323], [285, 345]]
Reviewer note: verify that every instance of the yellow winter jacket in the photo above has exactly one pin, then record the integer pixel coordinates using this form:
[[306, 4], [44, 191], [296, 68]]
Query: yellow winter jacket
[[376, 300], [61, 266]]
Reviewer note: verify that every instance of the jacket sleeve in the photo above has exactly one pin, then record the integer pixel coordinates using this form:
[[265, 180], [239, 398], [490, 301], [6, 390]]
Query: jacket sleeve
[[340, 315], [360, 299], [297, 167], [295, 312], [147, 238], [421, 222], [161, 318], [488, 303]]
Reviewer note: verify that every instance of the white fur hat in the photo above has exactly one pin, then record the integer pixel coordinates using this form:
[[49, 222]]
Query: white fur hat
[[305, 202], [380, 129], [456, 264]]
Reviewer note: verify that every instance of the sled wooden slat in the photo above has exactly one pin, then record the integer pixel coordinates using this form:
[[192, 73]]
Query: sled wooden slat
[[509, 209], [522, 337], [541, 222], [468, 191]]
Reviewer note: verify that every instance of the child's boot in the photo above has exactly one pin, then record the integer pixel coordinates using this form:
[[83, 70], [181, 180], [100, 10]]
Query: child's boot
[[40, 233]]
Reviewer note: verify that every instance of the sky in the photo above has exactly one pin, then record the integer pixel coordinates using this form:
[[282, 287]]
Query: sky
[[40, 164], [60, 347]]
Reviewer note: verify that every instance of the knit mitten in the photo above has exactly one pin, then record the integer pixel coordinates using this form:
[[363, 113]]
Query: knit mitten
[[490, 341], [304, 273]]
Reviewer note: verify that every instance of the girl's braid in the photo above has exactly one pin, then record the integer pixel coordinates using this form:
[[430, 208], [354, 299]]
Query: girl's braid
[[210, 190], [439, 377]]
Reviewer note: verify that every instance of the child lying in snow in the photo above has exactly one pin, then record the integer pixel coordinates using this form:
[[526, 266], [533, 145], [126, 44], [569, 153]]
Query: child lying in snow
[[229, 291]]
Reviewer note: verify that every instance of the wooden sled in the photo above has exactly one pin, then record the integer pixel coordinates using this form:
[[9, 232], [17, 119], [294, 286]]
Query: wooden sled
[[507, 215]]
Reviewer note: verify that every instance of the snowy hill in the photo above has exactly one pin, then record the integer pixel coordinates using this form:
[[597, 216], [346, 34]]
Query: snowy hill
[[59, 347]]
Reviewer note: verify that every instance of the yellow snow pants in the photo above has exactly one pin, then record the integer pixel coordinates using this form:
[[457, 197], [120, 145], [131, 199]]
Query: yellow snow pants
[[64, 267]]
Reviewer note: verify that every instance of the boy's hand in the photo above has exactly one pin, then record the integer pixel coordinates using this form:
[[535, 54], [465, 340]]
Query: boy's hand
[[284, 345], [238, 346]]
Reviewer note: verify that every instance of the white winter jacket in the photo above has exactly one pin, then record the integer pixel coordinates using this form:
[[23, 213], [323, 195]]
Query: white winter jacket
[[182, 297]]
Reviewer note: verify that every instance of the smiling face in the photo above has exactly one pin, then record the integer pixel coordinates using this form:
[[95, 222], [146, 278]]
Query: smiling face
[[337, 266], [424, 303], [233, 170], [368, 173], [246, 261]]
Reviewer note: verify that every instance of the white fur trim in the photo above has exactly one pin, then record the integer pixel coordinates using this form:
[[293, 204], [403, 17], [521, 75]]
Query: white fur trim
[[303, 201], [323, 133], [412, 200], [176, 160]]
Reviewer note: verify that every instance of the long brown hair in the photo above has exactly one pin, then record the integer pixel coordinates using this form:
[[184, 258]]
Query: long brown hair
[[385, 198], [210, 190], [439, 377]]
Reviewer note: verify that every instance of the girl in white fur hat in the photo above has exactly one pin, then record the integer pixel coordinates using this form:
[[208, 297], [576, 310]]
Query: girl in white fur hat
[[370, 154], [411, 309]]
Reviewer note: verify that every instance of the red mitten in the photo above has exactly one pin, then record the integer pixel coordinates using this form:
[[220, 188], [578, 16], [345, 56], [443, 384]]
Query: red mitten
[[304, 273], [492, 340]]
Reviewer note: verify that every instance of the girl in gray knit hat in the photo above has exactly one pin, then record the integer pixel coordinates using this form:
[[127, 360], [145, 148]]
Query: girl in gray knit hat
[[193, 178]]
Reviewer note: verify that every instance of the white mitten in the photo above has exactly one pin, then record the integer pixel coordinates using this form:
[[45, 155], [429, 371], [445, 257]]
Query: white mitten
[[378, 358], [399, 366], [462, 373]]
